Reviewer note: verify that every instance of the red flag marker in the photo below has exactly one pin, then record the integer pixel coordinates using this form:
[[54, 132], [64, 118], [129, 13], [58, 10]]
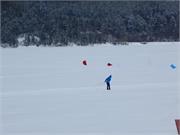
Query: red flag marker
[[84, 62], [109, 64]]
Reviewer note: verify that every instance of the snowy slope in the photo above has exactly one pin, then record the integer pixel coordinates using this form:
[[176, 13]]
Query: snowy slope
[[48, 91]]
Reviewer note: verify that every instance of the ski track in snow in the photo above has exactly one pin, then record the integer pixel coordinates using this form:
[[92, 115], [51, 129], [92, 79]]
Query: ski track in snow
[[120, 88]]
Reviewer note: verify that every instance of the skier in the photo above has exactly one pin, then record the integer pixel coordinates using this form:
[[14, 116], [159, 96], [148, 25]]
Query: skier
[[107, 81]]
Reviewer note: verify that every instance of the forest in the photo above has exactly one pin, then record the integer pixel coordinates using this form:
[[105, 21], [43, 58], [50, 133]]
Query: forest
[[58, 23]]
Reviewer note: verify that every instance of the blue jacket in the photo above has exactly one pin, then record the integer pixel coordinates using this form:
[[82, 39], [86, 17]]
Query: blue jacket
[[108, 79]]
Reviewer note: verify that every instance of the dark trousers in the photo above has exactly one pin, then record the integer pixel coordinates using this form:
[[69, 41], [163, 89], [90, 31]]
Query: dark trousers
[[108, 85]]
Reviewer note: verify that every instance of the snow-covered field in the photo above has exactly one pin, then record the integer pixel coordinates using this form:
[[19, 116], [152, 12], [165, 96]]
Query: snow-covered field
[[48, 91]]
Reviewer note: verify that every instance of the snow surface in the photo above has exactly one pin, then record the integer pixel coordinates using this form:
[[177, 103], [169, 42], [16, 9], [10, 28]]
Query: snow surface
[[48, 91]]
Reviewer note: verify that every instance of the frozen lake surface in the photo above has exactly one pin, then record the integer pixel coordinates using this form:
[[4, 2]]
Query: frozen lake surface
[[48, 91]]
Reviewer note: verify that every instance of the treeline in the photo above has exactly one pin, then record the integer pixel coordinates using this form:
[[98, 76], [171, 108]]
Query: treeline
[[57, 23]]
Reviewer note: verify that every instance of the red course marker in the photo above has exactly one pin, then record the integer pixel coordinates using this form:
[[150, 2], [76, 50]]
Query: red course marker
[[84, 62]]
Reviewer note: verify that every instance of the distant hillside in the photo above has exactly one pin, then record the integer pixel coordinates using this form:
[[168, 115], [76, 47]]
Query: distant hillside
[[57, 23]]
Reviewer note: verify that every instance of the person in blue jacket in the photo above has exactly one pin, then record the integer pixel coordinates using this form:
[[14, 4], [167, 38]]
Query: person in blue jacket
[[107, 81]]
